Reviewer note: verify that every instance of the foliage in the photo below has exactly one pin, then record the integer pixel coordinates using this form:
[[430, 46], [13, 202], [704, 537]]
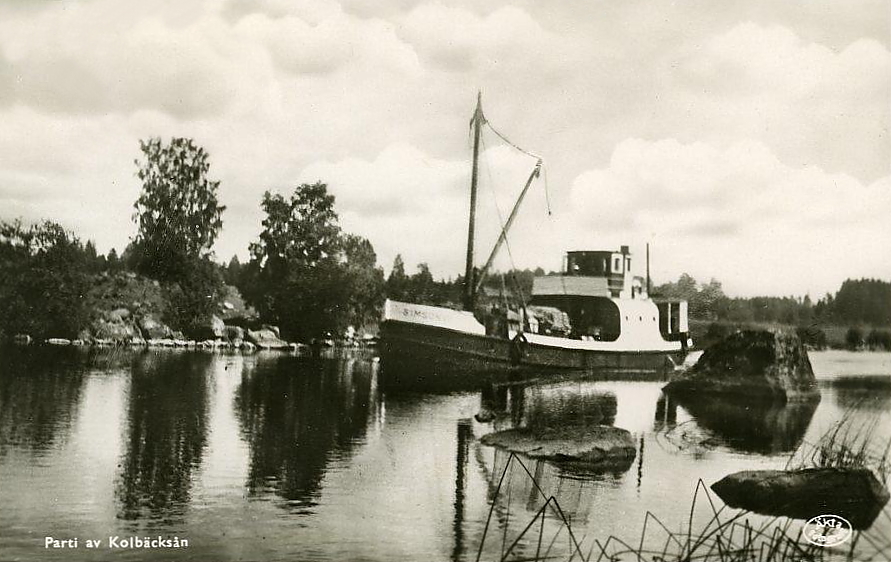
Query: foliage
[[879, 339], [363, 279], [861, 301], [398, 284], [193, 299], [705, 302], [854, 338], [866, 301], [44, 275], [177, 214], [305, 275], [301, 230], [422, 288]]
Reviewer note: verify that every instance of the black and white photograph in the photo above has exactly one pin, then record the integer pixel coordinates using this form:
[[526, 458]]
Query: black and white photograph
[[445, 280]]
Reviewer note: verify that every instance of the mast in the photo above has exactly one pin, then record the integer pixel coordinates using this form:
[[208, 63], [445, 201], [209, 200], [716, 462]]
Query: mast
[[476, 123]]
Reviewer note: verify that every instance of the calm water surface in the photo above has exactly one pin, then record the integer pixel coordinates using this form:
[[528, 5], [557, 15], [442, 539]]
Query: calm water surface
[[276, 457]]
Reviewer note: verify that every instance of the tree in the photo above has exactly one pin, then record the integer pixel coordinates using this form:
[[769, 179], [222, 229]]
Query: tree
[[854, 338], [397, 282], [307, 276], [43, 280], [300, 230], [363, 277], [193, 299], [177, 214]]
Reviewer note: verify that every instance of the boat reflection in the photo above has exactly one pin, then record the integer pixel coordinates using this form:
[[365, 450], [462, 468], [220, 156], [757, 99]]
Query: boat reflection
[[297, 416], [749, 427]]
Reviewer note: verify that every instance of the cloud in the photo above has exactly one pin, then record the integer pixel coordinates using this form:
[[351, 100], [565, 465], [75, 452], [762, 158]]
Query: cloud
[[737, 212], [373, 98], [500, 41], [332, 42], [407, 202], [80, 60]]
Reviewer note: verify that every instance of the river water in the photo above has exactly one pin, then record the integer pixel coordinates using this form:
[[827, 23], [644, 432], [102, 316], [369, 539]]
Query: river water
[[278, 457]]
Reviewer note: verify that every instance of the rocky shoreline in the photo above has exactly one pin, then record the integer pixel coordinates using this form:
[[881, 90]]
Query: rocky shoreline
[[126, 310], [266, 338]]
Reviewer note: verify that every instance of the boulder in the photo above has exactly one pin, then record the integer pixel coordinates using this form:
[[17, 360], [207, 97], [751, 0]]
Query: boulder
[[600, 445], [115, 332], [23, 339], [119, 315], [234, 333], [758, 364], [152, 328], [217, 327], [211, 327], [852, 493], [266, 339]]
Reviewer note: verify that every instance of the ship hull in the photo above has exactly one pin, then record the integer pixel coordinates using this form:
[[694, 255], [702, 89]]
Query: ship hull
[[422, 357]]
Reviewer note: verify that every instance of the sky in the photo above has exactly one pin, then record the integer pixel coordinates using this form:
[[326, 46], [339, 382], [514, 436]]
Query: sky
[[745, 141]]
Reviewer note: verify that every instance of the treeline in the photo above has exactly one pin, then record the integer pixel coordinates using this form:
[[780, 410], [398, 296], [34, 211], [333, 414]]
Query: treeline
[[421, 288], [863, 305], [305, 274]]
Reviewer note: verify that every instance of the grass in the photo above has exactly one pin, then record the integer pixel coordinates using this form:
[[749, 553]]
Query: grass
[[847, 445], [712, 533]]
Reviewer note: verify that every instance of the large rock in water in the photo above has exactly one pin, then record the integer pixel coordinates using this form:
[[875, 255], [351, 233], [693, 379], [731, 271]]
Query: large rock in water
[[754, 364], [601, 445], [853, 493]]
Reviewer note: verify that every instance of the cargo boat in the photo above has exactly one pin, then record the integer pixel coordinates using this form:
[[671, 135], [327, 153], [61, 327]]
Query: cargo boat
[[594, 316]]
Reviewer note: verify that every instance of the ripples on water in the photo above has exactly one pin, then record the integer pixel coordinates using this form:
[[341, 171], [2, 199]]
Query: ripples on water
[[277, 457]]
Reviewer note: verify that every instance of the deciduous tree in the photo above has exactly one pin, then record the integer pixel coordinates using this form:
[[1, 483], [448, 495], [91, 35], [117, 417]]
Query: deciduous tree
[[177, 214]]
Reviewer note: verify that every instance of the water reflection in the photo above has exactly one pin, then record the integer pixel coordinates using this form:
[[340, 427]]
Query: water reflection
[[297, 416], [166, 434], [751, 427], [527, 484], [40, 390], [863, 392], [537, 407]]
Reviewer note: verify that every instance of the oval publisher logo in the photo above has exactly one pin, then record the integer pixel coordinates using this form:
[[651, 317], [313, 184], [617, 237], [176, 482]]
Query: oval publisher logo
[[827, 530]]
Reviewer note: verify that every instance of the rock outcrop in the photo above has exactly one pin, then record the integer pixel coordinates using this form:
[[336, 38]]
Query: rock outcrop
[[854, 494], [116, 332], [266, 338], [598, 444], [762, 364], [152, 328]]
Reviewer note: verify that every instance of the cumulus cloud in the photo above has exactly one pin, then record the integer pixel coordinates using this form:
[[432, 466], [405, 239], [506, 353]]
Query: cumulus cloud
[[737, 212], [407, 202], [787, 105]]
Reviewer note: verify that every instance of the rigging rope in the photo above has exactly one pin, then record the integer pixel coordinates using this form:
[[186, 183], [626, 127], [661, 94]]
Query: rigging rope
[[505, 139], [502, 223]]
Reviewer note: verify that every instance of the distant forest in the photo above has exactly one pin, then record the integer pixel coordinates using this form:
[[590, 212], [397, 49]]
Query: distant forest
[[857, 302]]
